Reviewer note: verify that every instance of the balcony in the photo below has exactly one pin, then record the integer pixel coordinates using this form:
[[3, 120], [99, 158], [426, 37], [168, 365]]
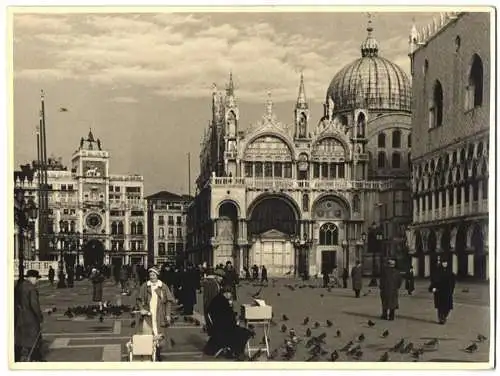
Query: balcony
[[289, 183]]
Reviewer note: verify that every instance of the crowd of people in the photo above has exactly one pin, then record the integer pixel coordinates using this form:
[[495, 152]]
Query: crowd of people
[[159, 288]]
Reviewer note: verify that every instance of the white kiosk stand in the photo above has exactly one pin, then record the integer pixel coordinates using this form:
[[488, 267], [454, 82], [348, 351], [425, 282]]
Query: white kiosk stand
[[258, 314]]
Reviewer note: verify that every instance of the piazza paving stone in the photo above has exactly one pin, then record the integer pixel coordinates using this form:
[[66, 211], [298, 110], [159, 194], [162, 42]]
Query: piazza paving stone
[[415, 322]]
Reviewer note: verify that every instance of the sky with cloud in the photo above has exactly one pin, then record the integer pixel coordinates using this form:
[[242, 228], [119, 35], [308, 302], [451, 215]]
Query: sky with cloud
[[143, 82]]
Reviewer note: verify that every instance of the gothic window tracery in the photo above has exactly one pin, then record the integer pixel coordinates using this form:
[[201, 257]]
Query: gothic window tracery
[[329, 234]]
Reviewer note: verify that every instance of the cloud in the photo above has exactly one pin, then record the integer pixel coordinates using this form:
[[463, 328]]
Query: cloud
[[123, 100], [180, 55]]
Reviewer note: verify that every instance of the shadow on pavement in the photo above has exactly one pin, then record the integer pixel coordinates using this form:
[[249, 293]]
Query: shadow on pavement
[[369, 316]]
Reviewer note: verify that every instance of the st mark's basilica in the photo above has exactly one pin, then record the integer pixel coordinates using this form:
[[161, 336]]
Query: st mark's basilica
[[298, 196]]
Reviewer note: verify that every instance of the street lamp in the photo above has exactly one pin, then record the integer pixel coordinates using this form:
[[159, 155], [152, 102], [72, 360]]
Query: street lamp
[[376, 236], [24, 214]]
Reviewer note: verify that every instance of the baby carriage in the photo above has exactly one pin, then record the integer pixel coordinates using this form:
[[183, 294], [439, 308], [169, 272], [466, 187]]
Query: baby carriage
[[144, 345]]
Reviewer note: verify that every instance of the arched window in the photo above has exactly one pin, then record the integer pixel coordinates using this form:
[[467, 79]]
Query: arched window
[[396, 160], [409, 140], [114, 228], [120, 228], [355, 204], [140, 229], [329, 234], [381, 159], [474, 92], [381, 140], [133, 228], [72, 226], [436, 109], [396, 139], [305, 203]]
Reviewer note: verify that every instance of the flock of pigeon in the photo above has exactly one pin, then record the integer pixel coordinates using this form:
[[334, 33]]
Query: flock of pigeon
[[352, 350]]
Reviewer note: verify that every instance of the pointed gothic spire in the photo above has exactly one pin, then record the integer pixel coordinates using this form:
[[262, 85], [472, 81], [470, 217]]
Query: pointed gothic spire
[[269, 105], [230, 85], [301, 99]]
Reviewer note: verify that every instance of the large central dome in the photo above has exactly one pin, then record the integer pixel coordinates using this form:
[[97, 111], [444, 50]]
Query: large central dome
[[371, 81]]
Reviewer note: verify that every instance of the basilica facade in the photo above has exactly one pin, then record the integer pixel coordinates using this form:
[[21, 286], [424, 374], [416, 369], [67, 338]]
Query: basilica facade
[[299, 196]]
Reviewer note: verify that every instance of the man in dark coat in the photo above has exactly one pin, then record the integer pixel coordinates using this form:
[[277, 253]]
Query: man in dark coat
[[443, 286], [190, 283], [223, 330], [410, 281], [357, 278], [124, 274], [97, 280], [326, 278], [27, 319], [390, 282], [231, 278], [345, 277], [52, 274], [263, 274]]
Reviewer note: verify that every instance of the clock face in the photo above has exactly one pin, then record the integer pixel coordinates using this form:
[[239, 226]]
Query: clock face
[[94, 220]]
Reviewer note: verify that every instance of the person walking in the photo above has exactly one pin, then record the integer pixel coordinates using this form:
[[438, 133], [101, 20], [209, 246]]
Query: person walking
[[357, 278], [390, 282], [231, 278], [211, 287], [326, 278], [155, 304], [124, 279], [52, 274], [410, 281], [28, 319], [97, 279], [345, 277], [190, 283], [443, 287], [263, 274]]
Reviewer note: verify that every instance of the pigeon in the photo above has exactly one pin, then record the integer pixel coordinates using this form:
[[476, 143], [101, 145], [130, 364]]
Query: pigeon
[[385, 334], [347, 346], [398, 345], [292, 333], [481, 338], [338, 334], [371, 323], [471, 348], [432, 342], [257, 293], [54, 309], [273, 354], [316, 325], [278, 294], [308, 332], [306, 321], [63, 109], [353, 350], [384, 357], [284, 318], [255, 356], [465, 290], [334, 356], [417, 352], [69, 314], [361, 337], [358, 355], [407, 349], [321, 295], [329, 323], [283, 328]]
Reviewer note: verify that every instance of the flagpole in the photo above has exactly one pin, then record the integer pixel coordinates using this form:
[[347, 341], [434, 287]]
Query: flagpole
[[189, 174]]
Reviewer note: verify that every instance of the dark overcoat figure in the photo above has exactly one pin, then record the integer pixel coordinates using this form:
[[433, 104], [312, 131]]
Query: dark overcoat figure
[[231, 279], [326, 278], [28, 318], [222, 326], [263, 274], [97, 280], [410, 281], [345, 277], [390, 282], [52, 274], [357, 278], [443, 286], [190, 283]]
